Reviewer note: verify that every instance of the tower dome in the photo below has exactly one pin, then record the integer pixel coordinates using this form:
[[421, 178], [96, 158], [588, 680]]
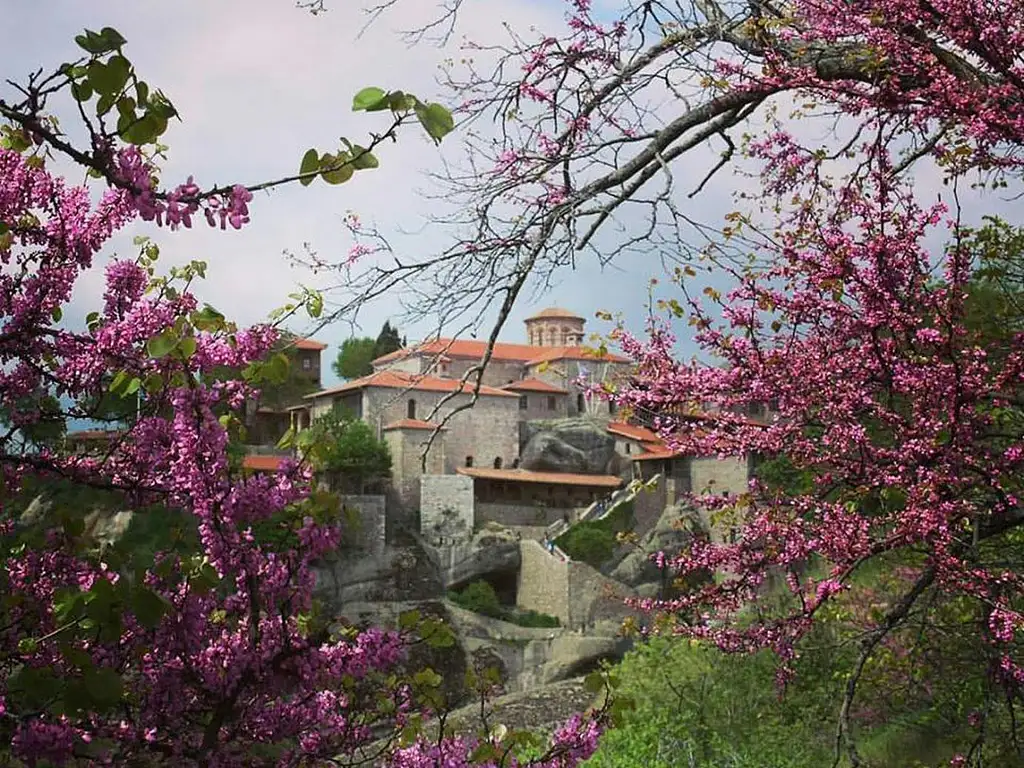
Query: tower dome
[[555, 327]]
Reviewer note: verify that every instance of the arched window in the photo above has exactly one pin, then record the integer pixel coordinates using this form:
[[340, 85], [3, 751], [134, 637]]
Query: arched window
[[515, 463], [581, 404], [410, 409], [469, 461], [497, 462], [612, 408]]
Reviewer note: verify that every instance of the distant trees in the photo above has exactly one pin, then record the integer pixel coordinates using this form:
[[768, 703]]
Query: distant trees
[[357, 354]]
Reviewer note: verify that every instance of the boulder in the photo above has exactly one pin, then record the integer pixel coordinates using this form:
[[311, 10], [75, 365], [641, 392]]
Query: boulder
[[673, 530], [492, 550], [580, 446]]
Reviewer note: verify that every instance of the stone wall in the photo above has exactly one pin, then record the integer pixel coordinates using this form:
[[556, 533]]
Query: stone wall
[[711, 475], [371, 522], [543, 583], [350, 401], [446, 506], [488, 430], [406, 446], [523, 515], [497, 374], [537, 406]]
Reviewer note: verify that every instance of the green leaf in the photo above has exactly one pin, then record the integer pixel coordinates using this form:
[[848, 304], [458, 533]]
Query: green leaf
[[408, 620], [310, 164], [133, 386], [153, 383], [145, 130], [111, 38], [109, 78], [105, 103], [149, 607], [104, 686], [57, 314], [401, 102], [369, 99], [81, 90], [161, 344], [120, 380], [436, 120], [27, 645], [287, 438], [315, 304], [142, 92], [343, 169], [187, 347], [363, 158], [594, 682]]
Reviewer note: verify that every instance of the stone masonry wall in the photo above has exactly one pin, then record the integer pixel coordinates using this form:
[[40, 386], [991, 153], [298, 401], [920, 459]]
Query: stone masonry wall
[[371, 515], [439, 493], [711, 475], [488, 430], [543, 583], [519, 515]]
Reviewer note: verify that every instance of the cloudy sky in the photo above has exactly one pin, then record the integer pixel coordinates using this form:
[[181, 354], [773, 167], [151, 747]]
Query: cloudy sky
[[257, 82]]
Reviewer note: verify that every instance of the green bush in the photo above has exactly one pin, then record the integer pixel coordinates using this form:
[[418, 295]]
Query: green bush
[[480, 597], [594, 542], [591, 543], [533, 619]]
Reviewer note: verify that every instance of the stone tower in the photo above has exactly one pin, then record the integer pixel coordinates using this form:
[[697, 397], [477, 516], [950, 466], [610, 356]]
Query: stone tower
[[554, 327]]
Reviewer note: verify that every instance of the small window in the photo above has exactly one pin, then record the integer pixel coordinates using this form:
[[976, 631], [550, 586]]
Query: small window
[[612, 408], [552, 402], [753, 409], [629, 449], [497, 462], [580, 403], [524, 402], [515, 463], [469, 461], [307, 364], [410, 409]]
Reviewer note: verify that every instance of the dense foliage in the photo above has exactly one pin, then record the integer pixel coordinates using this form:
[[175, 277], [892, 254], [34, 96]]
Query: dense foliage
[[347, 452], [209, 651]]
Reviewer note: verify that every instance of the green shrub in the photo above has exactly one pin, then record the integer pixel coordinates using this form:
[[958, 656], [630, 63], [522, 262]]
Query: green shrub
[[594, 542], [478, 597], [591, 543]]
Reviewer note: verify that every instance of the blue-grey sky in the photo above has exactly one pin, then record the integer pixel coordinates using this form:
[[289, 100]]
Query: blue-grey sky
[[257, 82]]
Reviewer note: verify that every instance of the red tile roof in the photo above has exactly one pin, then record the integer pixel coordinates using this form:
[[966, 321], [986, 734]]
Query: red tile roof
[[411, 424], [474, 349], [583, 354], [534, 385], [94, 434], [550, 478], [633, 432], [555, 312], [263, 463], [310, 344], [401, 380]]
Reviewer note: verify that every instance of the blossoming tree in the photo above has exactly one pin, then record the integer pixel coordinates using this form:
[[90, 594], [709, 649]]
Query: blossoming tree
[[209, 657], [900, 417]]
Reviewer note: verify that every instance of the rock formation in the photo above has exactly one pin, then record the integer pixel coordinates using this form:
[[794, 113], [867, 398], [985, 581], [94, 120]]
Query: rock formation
[[580, 445]]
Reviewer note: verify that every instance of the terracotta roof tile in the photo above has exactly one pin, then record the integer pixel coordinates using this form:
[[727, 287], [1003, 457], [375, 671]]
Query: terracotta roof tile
[[474, 349], [534, 385], [632, 432], [94, 434], [555, 312], [263, 463], [401, 380], [411, 424], [582, 354], [550, 478], [310, 344]]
